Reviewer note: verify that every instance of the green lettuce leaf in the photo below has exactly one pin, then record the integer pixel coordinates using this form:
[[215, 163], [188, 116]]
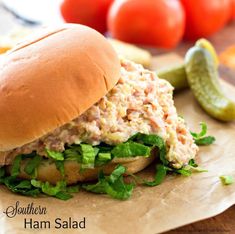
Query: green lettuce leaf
[[88, 155], [24, 184], [154, 141], [102, 159], [2, 172], [205, 141], [192, 163], [161, 172], [58, 191], [21, 186], [226, 179], [130, 149], [32, 165], [15, 169], [112, 185], [72, 154], [59, 156], [116, 174], [63, 196], [60, 167], [202, 133], [188, 169], [201, 138]]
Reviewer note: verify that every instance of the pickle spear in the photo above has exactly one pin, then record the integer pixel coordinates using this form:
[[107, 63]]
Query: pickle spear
[[203, 43], [203, 79], [175, 75]]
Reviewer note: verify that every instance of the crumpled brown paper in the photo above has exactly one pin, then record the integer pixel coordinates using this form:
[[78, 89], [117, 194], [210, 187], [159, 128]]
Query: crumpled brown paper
[[178, 201]]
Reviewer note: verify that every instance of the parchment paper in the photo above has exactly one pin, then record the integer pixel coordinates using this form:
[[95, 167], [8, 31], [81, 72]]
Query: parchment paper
[[178, 201]]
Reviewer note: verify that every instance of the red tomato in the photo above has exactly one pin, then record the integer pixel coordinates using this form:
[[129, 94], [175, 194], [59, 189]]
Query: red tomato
[[233, 9], [150, 22], [88, 12], [205, 17]]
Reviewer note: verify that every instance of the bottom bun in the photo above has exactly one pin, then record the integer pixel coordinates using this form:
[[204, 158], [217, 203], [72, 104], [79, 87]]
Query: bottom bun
[[73, 173]]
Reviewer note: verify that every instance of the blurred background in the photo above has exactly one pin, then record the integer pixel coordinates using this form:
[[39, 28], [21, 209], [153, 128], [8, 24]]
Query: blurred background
[[155, 23], [28, 13], [158, 26]]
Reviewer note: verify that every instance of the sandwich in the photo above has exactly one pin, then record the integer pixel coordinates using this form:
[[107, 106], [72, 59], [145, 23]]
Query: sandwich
[[72, 112]]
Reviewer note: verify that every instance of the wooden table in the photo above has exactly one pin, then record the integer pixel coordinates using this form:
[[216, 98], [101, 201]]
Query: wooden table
[[225, 222]]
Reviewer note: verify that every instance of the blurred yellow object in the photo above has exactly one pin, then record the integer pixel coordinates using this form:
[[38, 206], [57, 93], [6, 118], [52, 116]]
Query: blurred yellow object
[[10, 39], [227, 57], [203, 43], [3, 48], [131, 52]]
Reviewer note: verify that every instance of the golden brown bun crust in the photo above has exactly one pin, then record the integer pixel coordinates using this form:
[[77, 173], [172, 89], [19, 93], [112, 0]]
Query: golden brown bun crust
[[51, 79], [48, 172]]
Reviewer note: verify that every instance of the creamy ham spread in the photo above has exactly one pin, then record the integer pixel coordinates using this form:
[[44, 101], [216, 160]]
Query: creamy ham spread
[[140, 102]]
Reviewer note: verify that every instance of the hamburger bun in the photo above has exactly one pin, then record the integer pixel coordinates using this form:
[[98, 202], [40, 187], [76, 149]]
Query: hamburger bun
[[47, 81], [73, 173], [52, 78]]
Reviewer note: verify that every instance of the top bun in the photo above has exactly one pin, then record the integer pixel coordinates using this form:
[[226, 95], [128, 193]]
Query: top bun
[[51, 79]]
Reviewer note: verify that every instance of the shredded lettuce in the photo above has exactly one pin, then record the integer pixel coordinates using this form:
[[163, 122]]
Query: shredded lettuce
[[161, 172], [88, 155], [102, 159], [23, 187], [47, 188], [15, 169], [112, 185], [59, 156], [60, 167], [192, 163], [2, 172], [72, 154], [59, 190], [84, 154], [154, 141], [187, 170], [63, 195], [201, 138], [226, 179], [32, 165], [205, 140], [130, 149]]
